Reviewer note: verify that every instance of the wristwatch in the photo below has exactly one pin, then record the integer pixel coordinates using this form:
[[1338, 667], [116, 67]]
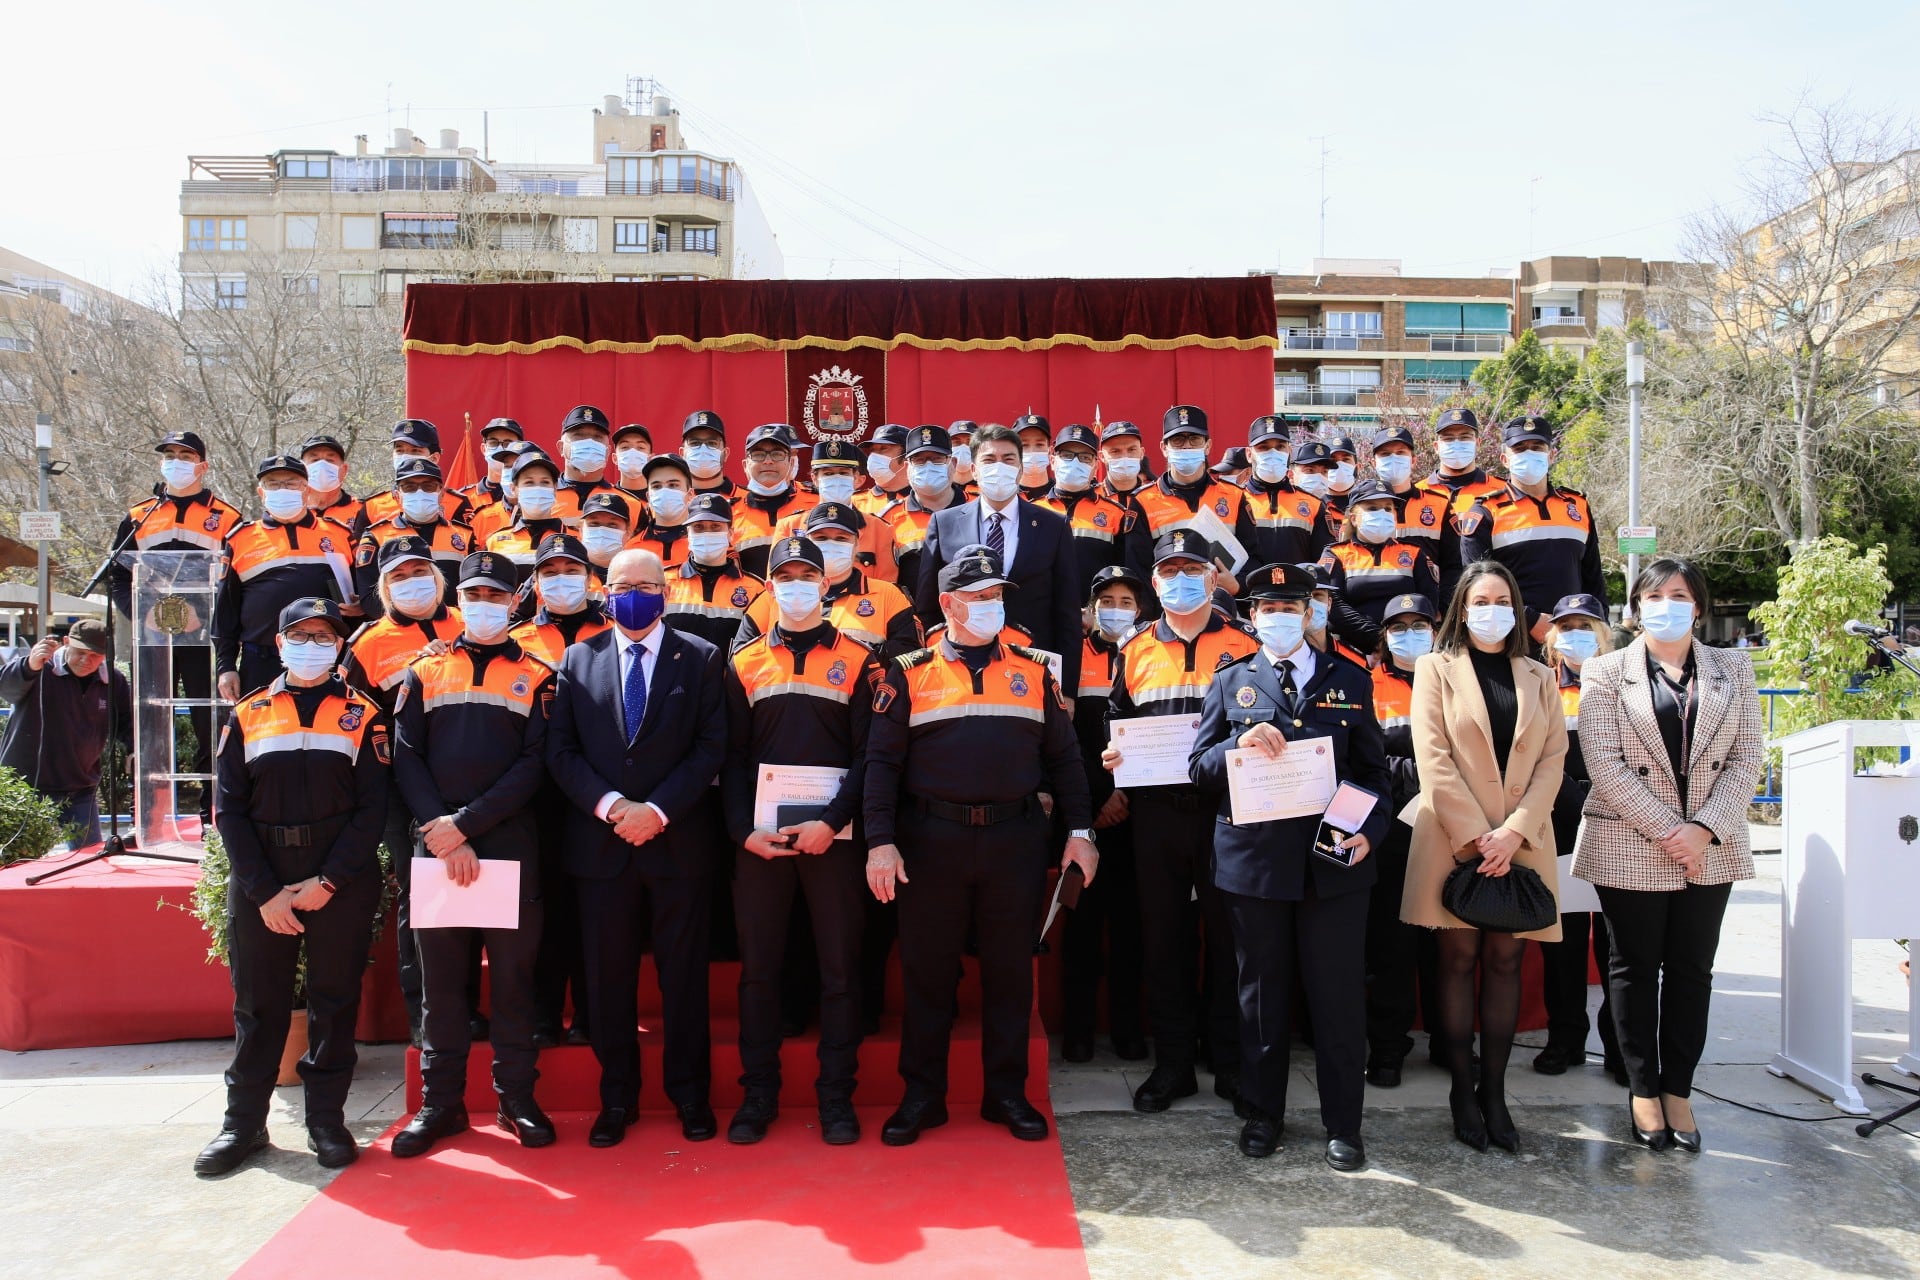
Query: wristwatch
[[1083, 833], [328, 885]]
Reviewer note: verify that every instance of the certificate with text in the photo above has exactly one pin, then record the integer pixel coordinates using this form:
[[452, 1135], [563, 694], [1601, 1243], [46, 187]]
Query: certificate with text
[[1297, 784], [1154, 750], [794, 784]]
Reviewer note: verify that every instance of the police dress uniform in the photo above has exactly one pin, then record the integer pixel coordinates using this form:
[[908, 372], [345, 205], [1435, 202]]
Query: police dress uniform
[[798, 698], [302, 777], [1161, 673], [962, 741], [1297, 917], [470, 726]]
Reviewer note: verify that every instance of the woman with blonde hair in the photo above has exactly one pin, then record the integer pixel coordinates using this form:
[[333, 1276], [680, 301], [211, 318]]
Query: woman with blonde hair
[[1490, 742]]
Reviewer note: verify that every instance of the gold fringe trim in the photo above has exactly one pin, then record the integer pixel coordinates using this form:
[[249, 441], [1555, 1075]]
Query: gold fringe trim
[[755, 342]]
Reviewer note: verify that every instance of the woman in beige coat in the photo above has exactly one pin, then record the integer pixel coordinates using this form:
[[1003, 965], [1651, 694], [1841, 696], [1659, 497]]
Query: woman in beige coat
[[1490, 740], [1671, 734]]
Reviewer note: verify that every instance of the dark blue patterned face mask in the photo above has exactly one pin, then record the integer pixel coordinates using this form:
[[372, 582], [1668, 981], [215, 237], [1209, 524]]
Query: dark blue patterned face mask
[[638, 610]]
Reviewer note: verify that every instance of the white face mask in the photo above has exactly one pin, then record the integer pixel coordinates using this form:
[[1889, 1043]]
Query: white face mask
[[1116, 622], [1033, 466], [836, 486], [421, 506], [797, 598], [963, 455], [668, 504], [536, 501], [1394, 470], [1577, 646], [1313, 482], [704, 460], [1376, 526], [178, 473], [308, 659], [1270, 467], [602, 540], [880, 467], [323, 477], [984, 620], [707, 548], [415, 597], [1456, 454], [1408, 645], [1072, 473], [563, 592], [1529, 468], [1317, 615], [930, 477], [485, 622], [632, 463], [284, 504], [1279, 632], [998, 480], [1341, 477], [587, 455], [838, 557], [1490, 622], [1187, 463], [767, 490]]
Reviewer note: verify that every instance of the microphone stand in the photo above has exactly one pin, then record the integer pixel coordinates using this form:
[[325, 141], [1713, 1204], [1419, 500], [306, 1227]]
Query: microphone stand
[[116, 844]]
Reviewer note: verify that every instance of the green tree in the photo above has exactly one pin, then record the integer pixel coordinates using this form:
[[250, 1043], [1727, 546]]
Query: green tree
[[1827, 583], [1531, 378]]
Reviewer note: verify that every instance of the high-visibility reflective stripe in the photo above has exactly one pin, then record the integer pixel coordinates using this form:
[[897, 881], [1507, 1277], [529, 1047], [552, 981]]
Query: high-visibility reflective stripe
[[1573, 722], [1096, 690], [1282, 522], [902, 543], [871, 639], [704, 610], [802, 688], [470, 697], [1378, 571], [1396, 722], [1167, 693], [1011, 712], [1539, 533], [394, 677], [318, 557], [304, 740], [1091, 534], [208, 541]]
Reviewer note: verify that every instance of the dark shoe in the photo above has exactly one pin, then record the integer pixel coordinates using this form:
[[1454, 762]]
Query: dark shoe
[[428, 1126], [1130, 1048], [1346, 1155], [697, 1123], [578, 1034], [548, 1037], [228, 1152], [749, 1123], [839, 1125], [1022, 1121], [1618, 1070], [1500, 1130], [1226, 1085], [915, 1116], [523, 1118], [479, 1029], [1651, 1139], [332, 1145], [1468, 1124], [1688, 1140], [610, 1126], [1259, 1136], [1384, 1073], [1076, 1049], [1555, 1059], [1164, 1084]]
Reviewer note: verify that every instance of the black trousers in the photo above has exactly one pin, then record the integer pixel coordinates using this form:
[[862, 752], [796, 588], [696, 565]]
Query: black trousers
[[1565, 973], [879, 929], [765, 890], [994, 877], [1392, 956], [1101, 937], [338, 938], [258, 667], [1173, 861], [400, 845], [1322, 942], [615, 915], [561, 967], [445, 1039], [1661, 977]]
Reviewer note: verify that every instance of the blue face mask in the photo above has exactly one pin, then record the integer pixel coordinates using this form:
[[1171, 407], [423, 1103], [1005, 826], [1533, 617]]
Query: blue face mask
[[1317, 615], [1279, 632], [1270, 467], [984, 619], [1667, 619], [1182, 593], [1458, 454], [930, 477], [638, 610], [1527, 468], [1187, 461], [1408, 645], [1577, 645], [1116, 622], [1376, 526]]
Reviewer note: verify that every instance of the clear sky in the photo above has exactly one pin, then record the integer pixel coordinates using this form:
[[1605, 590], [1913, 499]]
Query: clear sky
[[1032, 138]]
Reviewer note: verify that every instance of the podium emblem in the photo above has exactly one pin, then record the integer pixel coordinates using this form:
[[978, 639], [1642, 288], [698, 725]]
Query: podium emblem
[[1909, 828], [173, 616]]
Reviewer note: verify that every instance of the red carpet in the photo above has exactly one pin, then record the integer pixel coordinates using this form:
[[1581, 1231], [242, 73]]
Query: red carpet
[[966, 1201]]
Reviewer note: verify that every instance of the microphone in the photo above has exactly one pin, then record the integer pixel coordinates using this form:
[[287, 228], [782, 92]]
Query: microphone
[[1867, 630]]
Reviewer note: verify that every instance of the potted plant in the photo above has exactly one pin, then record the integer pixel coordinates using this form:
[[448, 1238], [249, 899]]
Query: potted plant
[[31, 825]]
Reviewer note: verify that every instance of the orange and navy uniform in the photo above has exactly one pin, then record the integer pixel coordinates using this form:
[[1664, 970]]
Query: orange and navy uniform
[[481, 492], [379, 652], [1289, 524], [876, 502], [570, 498], [1369, 575], [1423, 520], [877, 614], [797, 699], [909, 519], [940, 712], [712, 601], [1463, 490], [302, 787], [1099, 657], [470, 731], [1098, 529], [197, 522], [1164, 505], [489, 517], [267, 566], [1160, 673], [1393, 708], [668, 541], [345, 508], [755, 519], [450, 544], [1548, 542], [385, 505], [873, 551], [519, 540], [547, 635]]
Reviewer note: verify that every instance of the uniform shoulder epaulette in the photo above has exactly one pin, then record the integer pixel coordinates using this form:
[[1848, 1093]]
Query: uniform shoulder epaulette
[[914, 658], [244, 524], [1568, 491], [361, 630], [743, 638], [323, 518], [1237, 660]]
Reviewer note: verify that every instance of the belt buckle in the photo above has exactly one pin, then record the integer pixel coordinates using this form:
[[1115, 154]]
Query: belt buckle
[[977, 815]]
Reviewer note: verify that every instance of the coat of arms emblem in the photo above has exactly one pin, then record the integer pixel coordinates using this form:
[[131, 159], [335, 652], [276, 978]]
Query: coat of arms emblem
[[836, 405]]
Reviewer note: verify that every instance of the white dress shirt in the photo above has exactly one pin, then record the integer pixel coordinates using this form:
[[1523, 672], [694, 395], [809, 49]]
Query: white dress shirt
[[1009, 529], [1302, 659], [645, 651]]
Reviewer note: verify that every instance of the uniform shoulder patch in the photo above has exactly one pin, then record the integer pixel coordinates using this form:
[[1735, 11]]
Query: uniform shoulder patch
[[1466, 521], [382, 744], [1031, 655]]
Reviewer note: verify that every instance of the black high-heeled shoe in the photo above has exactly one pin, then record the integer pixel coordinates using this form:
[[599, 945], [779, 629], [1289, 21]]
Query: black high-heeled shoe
[[1500, 1130], [1469, 1126], [1651, 1139]]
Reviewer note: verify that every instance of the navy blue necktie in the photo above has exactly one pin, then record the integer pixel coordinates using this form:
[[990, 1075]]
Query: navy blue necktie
[[636, 690], [996, 536]]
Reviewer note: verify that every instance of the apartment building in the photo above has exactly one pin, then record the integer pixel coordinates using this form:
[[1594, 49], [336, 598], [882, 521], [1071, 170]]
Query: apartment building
[[358, 227], [1568, 300]]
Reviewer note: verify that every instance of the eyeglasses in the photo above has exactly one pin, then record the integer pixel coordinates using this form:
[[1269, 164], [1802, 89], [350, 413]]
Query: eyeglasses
[[617, 589]]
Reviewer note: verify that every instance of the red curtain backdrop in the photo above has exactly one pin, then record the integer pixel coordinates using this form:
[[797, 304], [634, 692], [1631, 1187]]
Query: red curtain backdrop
[[986, 350]]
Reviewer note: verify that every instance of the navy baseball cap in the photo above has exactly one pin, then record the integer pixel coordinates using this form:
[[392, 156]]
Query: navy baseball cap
[[834, 515], [186, 440], [929, 439], [1234, 459], [584, 415], [1107, 575], [560, 546], [1184, 417], [1182, 544], [1392, 435], [1269, 427], [962, 427], [531, 459], [505, 424], [660, 460], [977, 567], [487, 569], [321, 442], [417, 431], [889, 433], [771, 433], [413, 468], [410, 546], [1456, 418], [1579, 605], [281, 462], [710, 507], [1343, 444], [1077, 433], [1032, 422], [640, 429], [703, 420], [1369, 491], [1119, 427], [1312, 454], [610, 503], [309, 607], [1411, 602], [1524, 430], [788, 550]]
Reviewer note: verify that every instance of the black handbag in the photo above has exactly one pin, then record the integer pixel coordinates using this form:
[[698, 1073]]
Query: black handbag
[[1517, 902]]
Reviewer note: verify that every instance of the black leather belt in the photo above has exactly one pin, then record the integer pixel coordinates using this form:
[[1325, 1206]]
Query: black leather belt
[[977, 815], [287, 837]]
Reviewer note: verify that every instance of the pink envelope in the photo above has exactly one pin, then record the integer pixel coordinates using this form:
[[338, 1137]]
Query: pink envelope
[[492, 901]]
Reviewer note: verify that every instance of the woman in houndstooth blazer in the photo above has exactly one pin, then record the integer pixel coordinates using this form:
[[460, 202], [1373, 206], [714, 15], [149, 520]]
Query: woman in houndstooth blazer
[[1670, 730]]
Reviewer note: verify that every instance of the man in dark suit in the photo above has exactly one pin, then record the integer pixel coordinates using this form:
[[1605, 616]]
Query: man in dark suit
[[1294, 911], [639, 732], [1036, 544]]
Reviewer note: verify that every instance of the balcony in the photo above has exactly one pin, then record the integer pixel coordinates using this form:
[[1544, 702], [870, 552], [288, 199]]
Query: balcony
[[1492, 343], [1435, 388], [1326, 397], [1560, 320], [1332, 340]]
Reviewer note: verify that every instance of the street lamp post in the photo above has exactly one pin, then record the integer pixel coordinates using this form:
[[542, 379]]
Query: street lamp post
[[1636, 386], [43, 449]]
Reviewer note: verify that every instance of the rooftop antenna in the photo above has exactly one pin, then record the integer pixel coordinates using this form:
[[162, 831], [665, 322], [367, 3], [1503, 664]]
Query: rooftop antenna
[[640, 91], [1324, 153]]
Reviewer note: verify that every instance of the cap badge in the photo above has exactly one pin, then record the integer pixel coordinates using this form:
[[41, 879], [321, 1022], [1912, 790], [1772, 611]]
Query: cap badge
[[1183, 417], [319, 607]]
